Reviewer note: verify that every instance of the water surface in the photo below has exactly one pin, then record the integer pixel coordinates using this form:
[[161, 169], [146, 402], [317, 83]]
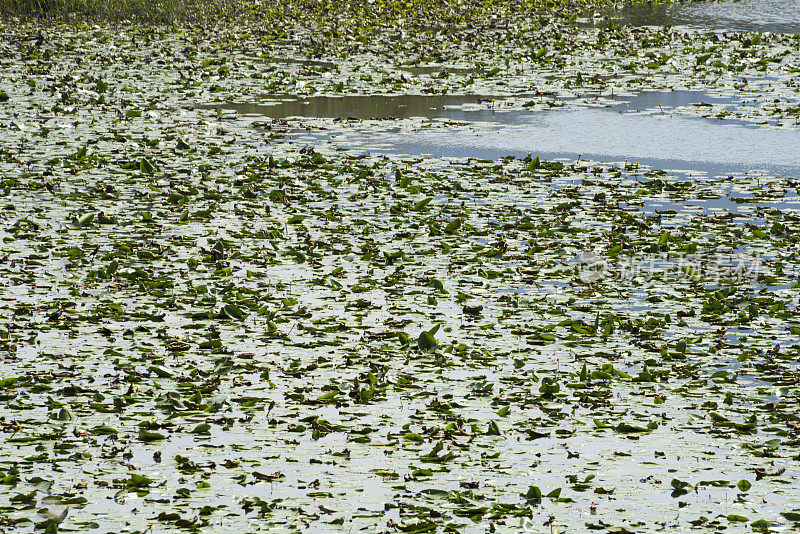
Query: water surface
[[775, 16], [643, 128], [499, 109]]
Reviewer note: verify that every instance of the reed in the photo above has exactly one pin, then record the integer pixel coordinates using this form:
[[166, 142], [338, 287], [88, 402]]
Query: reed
[[118, 10], [332, 11]]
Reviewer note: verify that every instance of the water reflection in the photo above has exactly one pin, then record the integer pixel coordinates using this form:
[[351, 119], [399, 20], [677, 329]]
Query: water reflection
[[662, 141], [456, 107], [638, 128], [775, 16], [666, 100], [472, 108]]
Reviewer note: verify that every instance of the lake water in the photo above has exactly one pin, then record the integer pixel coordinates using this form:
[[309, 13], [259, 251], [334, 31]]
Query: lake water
[[642, 128], [775, 16]]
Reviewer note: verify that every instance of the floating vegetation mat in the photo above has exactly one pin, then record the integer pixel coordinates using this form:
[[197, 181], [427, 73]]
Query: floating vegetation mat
[[209, 326]]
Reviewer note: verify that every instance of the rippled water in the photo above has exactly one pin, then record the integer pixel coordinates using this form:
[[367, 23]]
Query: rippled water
[[775, 16], [662, 140]]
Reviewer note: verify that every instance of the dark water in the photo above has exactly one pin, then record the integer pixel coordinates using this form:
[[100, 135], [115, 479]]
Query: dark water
[[454, 107], [470, 108], [774, 16]]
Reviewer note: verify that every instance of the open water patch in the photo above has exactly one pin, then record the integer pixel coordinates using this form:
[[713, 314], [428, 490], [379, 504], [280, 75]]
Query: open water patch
[[648, 128], [667, 142], [774, 16], [500, 109]]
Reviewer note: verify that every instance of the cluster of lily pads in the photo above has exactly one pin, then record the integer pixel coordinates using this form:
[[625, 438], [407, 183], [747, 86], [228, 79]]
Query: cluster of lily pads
[[209, 326]]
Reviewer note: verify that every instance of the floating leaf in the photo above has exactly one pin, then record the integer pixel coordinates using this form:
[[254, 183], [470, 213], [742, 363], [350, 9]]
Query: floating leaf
[[151, 436]]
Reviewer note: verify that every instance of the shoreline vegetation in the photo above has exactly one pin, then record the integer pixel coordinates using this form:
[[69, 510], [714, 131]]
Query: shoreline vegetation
[[390, 12], [132, 11]]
